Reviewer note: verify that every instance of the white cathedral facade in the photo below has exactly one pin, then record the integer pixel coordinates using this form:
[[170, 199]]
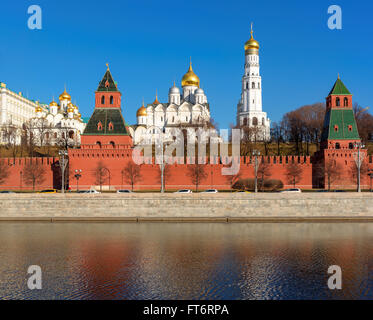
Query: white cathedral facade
[[249, 109], [186, 109], [59, 123]]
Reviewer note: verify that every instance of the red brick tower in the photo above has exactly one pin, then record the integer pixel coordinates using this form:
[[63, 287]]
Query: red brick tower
[[105, 143], [339, 141], [106, 128]]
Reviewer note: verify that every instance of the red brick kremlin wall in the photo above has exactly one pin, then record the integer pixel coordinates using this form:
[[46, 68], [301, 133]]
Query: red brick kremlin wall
[[16, 181], [116, 159]]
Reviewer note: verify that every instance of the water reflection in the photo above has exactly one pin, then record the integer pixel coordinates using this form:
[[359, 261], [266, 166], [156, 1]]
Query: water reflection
[[186, 261]]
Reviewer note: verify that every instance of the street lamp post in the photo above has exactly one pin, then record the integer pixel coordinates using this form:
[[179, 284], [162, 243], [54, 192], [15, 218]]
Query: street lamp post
[[256, 153], [62, 154], [358, 159], [78, 175]]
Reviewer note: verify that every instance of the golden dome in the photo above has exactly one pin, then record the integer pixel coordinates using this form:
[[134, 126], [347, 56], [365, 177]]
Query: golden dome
[[141, 112], [65, 96], [38, 109], [53, 104], [70, 109], [252, 43], [190, 78]]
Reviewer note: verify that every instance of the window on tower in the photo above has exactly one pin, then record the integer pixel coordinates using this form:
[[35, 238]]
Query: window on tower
[[255, 121], [338, 102], [103, 100], [345, 102], [253, 85], [111, 99]]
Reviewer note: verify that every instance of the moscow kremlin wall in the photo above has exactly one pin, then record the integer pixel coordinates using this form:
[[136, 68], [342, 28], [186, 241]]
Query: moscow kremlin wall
[[107, 141]]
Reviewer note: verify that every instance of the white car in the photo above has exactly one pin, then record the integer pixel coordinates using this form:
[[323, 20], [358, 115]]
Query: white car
[[293, 190], [124, 191], [184, 191], [92, 191], [210, 191]]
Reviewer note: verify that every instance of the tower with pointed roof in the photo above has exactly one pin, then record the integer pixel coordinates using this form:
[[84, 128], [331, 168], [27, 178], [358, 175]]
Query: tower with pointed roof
[[107, 127], [340, 129], [249, 109], [339, 141]]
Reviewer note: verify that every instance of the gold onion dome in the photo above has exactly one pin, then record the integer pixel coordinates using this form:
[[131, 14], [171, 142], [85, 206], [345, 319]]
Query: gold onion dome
[[53, 104], [70, 109], [141, 111], [252, 43], [38, 109], [190, 78], [65, 96]]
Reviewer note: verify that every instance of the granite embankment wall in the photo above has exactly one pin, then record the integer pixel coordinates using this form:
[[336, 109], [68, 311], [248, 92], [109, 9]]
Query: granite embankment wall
[[199, 207]]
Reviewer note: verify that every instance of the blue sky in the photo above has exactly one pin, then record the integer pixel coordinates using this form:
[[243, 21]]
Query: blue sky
[[148, 44]]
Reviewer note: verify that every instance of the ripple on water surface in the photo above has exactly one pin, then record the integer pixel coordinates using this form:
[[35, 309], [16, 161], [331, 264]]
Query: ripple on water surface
[[186, 261]]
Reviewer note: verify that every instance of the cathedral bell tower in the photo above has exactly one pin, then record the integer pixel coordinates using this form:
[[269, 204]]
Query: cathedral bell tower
[[249, 108]]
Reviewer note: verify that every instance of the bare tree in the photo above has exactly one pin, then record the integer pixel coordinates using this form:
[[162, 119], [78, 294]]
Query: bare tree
[[101, 174], [293, 173], [332, 171], [28, 140], [197, 173], [34, 173], [277, 135], [233, 179], [364, 121], [42, 128], [264, 172], [4, 171], [11, 137], [131, 173]]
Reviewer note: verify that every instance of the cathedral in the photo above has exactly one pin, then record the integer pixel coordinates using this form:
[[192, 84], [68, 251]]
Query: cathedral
[[249, 109], [186, 109], [59, 123]]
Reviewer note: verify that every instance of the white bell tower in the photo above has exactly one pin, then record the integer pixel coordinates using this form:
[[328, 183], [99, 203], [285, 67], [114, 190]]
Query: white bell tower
[[249, 108]]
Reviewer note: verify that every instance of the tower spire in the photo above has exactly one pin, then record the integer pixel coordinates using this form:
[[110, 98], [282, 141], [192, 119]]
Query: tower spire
[[252, 31]]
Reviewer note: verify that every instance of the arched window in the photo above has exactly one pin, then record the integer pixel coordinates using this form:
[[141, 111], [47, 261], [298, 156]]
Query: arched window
[[255, 121], [337, 145], [345, 102], [245, 121], [98, 143], [103, 100], [99, 126], [253, 85], [350, 145], [337, 102], [111, 126], [247, 85], [112, 144], [111, 99]]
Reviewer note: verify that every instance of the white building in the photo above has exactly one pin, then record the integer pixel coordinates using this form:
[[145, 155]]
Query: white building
[[184, 110], [249, 108], [59, 123]]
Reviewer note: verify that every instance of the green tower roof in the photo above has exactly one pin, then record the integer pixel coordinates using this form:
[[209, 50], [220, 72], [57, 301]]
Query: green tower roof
[[339, 88], [340, 124], [105, 116], [107, 84]]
